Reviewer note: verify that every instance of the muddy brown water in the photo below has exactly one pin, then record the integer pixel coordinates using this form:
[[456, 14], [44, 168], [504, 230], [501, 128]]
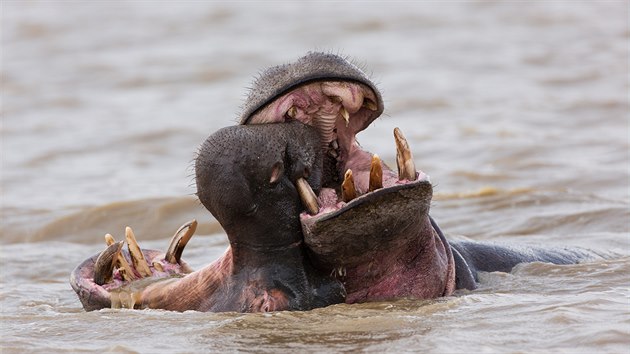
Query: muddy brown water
[[518, 111]]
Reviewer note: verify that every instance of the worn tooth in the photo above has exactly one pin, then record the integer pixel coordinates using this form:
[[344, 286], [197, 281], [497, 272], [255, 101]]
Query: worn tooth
[[179, 241], [109, 239], [335, 99], [308, 196], [376, 174], [344, 113], [333, 153], [105, 263], [369, 104], [292, 112], [348, 190], [404, 158], [158, 266], [137, 258], [125, 269], [334, 144]]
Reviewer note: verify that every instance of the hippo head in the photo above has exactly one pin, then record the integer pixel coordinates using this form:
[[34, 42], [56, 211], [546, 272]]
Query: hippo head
[[366, 209], [370, 224], [246, 177]]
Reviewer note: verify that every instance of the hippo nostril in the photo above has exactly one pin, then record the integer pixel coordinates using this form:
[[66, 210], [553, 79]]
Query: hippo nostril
[[369, 104]]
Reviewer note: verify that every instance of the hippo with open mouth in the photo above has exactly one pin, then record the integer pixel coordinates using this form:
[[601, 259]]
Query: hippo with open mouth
[[312, 218]]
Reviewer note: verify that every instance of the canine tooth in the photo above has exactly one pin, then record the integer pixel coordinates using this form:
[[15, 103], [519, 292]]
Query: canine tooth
[[137, 258], [348, 190], [292, 112], [344, 113], [109, 239], [307, 196], [369, 104], [105, 263], [404, 158], [179, 241], [376, 174]]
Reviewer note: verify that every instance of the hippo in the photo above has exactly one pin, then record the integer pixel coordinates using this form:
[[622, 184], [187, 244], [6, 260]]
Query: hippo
[[312, 218], [254, 198]]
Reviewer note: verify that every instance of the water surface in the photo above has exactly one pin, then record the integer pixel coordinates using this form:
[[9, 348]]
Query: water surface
[[518, 111]]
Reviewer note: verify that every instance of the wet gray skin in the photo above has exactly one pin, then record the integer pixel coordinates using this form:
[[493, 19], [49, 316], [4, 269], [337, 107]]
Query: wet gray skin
[[248, 183], [380, 243]]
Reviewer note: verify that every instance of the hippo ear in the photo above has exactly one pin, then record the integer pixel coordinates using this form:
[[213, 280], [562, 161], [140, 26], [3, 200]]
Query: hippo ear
[[276, 172]]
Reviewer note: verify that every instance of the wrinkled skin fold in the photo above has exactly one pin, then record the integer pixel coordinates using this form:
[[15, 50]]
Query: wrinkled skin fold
[[312, 218]]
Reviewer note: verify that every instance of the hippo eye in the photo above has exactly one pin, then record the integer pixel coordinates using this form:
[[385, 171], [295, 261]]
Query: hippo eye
[[252, 210]]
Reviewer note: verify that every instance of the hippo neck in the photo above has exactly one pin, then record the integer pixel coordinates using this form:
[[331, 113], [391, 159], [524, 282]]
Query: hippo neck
[[255, 256]]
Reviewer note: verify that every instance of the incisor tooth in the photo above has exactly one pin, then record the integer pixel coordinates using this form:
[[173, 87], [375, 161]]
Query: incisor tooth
[[369, 104], [335, 99], [344, 113], [158, 266], [179, 241], [104, 265], [376, 174], [348, 190], [307, 196], [404, 158], [121, 262], [292, 112], [137, 258]]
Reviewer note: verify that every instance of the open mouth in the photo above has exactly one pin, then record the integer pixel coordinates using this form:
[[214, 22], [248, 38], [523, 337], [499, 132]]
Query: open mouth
[[339, 110], [363, 206]]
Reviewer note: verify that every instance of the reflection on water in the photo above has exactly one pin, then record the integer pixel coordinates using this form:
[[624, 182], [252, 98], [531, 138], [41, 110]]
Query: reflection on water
[[518, 111]]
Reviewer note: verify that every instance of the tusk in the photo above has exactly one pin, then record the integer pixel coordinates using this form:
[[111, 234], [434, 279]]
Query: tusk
[[369, 104], [137, 258], [344, 113], [179, 241], [109, 239], [104, 266], [348, 190], [376, 174], [404, 158], [307, 195]]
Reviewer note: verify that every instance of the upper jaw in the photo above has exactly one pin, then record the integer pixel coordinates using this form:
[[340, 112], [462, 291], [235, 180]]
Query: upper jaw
[[331, 94], [310, 69]]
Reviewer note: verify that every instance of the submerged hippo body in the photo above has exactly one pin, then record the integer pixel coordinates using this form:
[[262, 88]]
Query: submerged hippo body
[[312, 218]]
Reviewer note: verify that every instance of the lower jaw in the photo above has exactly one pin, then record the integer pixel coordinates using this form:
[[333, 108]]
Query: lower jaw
[[381, 222], [418, 268]]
